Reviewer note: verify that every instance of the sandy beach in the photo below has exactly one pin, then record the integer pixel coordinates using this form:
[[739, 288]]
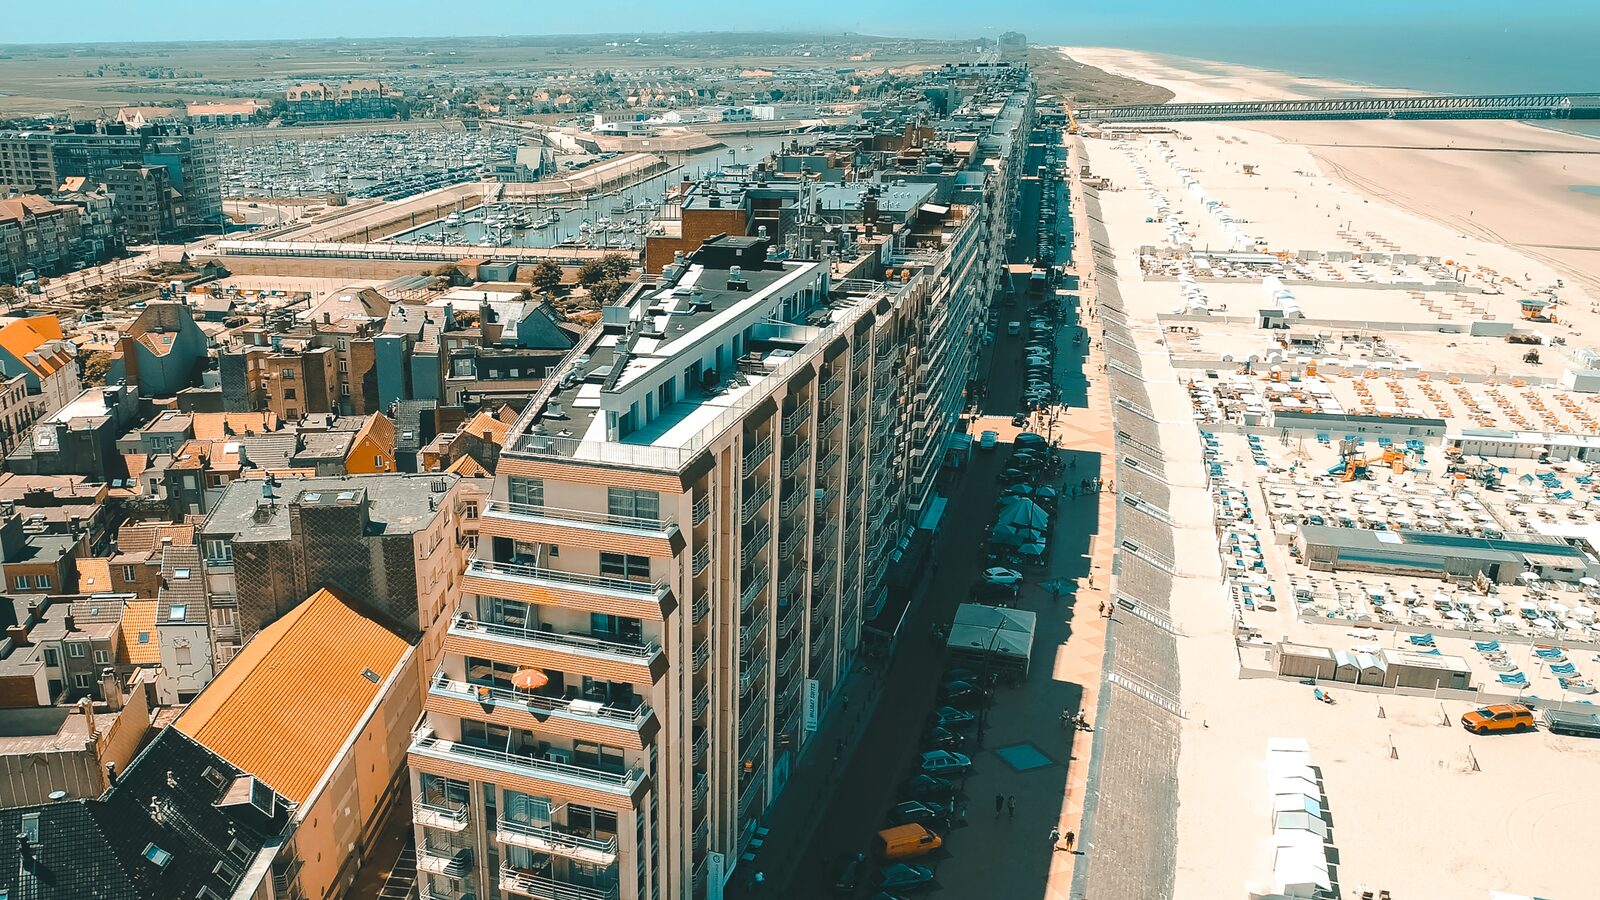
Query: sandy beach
[[1508, 183], [1418, 807]]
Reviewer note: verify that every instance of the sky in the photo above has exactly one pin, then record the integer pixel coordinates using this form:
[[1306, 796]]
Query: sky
[[1055, 21]]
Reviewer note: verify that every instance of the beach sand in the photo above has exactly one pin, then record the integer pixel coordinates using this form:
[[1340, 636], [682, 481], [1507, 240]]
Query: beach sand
[[1417, 806], [1507, 183]]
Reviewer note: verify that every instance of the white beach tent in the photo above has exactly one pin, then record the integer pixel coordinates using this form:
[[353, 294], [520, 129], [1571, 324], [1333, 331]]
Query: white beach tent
[[1300, 872]]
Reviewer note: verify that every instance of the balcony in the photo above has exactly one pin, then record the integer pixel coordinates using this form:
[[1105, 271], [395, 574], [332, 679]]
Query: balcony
[[789, 658], [701, 559], [702, 654], [455, 862], [792, 580], [757, 454], [822, 576], [624, 785], [796, 458], [662, 529], [830, 421], [793, 419], [831, 385], [826, 536], [566, 584], [754, 543], [426, 891], [751, 631], [755, 714], [752, 591], [559, 841], [540, 706], [702, 509], [755, 500], [789, 616], [702, 746], [751, 791], [702, 701], [795, 500], [528, 884], [556, 649], [439, 813], [702, 835], [702, 789], [752, 672], [702, 605]]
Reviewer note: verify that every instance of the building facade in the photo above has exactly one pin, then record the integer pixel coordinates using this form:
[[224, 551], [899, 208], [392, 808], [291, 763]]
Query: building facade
[[687, 536]]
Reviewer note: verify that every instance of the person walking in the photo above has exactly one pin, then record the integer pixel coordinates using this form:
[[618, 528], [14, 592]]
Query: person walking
[[1055, 837], [1011, 807], [1072, 840], [999, 804]]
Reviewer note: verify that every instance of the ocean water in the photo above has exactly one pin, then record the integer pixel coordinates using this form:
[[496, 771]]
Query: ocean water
[[1446, 57]]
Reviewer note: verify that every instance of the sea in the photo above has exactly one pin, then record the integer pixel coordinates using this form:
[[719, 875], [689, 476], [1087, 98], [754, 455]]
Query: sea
[[1449, 57]]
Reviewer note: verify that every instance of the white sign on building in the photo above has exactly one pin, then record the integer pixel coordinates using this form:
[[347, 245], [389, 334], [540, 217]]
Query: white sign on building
[[813, 703]]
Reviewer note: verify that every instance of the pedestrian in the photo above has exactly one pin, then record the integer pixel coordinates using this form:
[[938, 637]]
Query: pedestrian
[[1011, 806], [1055, 837], [845, 699], [1072, 840], [1102, 607], [999, 804]]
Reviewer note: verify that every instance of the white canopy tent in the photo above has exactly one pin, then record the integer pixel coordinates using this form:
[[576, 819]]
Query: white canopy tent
[[996, 635]]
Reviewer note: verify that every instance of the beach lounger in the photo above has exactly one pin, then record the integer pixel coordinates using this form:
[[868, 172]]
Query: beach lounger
[[1549, 653], [1514, 679], [1567, 669], [1422, 640], [1487, 646]]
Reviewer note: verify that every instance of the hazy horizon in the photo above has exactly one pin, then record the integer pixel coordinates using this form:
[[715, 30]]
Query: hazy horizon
[[169, 21]]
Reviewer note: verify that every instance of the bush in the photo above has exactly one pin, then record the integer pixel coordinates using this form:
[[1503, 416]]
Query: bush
[[546, 275], [603, 292]]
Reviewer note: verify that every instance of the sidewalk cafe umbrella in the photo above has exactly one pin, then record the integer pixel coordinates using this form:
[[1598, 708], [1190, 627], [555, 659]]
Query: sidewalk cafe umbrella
[[1035, 549], [1013, 535], [1024, 513]]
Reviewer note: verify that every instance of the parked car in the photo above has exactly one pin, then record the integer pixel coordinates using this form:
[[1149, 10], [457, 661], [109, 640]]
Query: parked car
[[957, 673], [960, 693], [944, 762], [933, 815], [988, 440], [926, 787], [950, 717], [1499, 719], [1002, 575], [1019, 420], [1014, 476], [940, 738], [905, 877]]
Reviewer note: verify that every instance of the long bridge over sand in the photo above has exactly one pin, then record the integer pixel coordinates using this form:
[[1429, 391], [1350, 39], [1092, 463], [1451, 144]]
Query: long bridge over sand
[[1504, 106]]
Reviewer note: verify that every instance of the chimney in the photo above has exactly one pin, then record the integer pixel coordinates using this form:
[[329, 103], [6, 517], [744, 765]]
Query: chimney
[[17, 635], [111, 774], [111, 689], [33, 609], [86, 706], [70, 623]]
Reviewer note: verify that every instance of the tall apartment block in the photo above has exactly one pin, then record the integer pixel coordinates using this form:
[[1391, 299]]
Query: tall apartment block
[[688, 530]]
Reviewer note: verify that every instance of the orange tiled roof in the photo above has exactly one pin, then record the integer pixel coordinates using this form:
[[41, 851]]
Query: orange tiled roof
[[25, 336], [94, 575], [292, 697], [141, 646], [496, 425], [143, 537], [467, 467]]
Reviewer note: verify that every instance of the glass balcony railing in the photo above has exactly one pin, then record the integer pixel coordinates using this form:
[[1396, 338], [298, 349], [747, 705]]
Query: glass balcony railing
[[623, 784], [439, 813], [641, 653], [553, 838], [527, 883], [752, 591], [658, 526], [453, 861], [579, 581], [575, 708]]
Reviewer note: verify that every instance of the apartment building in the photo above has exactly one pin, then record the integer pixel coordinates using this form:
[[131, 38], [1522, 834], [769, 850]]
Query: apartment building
[[687, 534], [26, 163], [392, 542], [37, 235]]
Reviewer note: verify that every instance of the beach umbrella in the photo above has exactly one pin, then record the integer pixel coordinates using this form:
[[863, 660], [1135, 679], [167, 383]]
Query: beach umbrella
[[529, 679], [1529, 577], [1586, 581], [1034, 549], [1012, 535], [1558, 608]]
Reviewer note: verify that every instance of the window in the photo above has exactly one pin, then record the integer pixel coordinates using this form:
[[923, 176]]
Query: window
[[219, 551], [130, 573], [344, 390], [344, 344], [102, 657], [343, 367], [21, 582], [216, 481], [288, 393], [288, 374], [77, 649], [627, 503], [625, 565], [526, 491], [42, 582], [82, 680], [52, 659], [177, 612], [378, 463], [291, 413], [469, 510]]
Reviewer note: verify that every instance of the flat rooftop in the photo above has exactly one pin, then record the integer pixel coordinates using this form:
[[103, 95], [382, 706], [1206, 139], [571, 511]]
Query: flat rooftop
[[397, 503]]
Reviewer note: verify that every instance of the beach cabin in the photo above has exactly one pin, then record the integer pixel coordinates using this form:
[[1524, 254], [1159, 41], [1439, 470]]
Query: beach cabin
[[1416, 669], [1373, 670], [1304, 661]]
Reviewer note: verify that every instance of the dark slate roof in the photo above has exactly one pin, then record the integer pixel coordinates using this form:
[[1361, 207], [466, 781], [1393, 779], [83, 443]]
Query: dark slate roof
[[176, 798]]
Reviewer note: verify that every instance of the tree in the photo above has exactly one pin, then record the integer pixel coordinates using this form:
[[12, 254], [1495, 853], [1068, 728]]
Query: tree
[[546, 275], [95, 367], [592, 271], [617, 265], [603, 292]]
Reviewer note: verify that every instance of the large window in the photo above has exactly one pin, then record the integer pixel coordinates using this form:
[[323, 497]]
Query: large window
[[625, 565], [624, 504], [526, 491]]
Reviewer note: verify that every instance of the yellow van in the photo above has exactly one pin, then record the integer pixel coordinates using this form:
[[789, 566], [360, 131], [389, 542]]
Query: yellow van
[[907, 842]]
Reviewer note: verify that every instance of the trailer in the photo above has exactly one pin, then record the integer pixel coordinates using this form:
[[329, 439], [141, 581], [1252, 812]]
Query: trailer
[[1577, 724]]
